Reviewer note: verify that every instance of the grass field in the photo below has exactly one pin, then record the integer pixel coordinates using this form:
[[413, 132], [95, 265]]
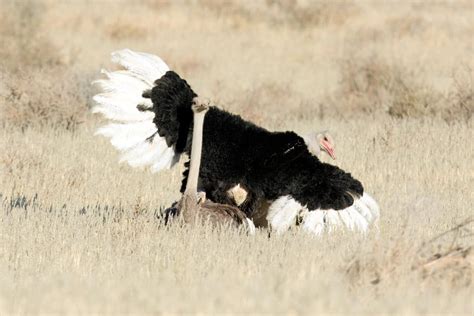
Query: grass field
[[80, 233]]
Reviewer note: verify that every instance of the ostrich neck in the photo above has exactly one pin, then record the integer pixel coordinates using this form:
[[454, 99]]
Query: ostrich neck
[[196, 148]]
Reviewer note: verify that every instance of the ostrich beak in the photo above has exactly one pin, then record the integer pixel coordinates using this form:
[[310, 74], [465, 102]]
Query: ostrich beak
[[327, 147]]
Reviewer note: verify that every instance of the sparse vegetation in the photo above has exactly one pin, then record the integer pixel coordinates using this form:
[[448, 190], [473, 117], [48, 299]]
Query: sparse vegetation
[[283, 13], [54, 98], [80, 233], [23, 44], [369, 85]]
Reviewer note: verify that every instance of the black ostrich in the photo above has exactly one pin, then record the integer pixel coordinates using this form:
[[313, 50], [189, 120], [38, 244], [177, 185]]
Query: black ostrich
[[153, 107]]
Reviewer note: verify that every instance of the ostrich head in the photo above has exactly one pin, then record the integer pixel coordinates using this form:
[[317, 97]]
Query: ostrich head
[[320, 141]]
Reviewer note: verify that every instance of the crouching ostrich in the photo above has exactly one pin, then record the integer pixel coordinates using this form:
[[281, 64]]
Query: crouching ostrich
[[317, 142], [193, 206], [153, 107]]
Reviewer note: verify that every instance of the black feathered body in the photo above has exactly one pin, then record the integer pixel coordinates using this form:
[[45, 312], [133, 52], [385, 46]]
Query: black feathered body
[[267, 164]]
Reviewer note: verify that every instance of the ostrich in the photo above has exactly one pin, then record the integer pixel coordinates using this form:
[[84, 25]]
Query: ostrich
[[153, 107], [317, 143], [193, 206]]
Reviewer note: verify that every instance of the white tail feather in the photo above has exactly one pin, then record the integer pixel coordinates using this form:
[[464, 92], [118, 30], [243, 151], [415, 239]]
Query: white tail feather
[[135, 134]]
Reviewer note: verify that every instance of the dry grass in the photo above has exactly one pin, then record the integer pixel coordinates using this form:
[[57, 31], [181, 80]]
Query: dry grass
[[369, 85], [55, 98], [80, 233], [23, 44]]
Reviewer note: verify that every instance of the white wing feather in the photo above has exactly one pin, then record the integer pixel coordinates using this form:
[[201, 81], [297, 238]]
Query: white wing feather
[[282, 213], [134, 134], [144, 66], [358, 217]]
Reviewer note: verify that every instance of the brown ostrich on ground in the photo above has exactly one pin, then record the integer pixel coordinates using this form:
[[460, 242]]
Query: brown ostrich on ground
[[193, 206]]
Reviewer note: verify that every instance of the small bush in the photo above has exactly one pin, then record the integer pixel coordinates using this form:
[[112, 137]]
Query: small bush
[[461, 96], [310, 13], [370, 85], [43, 97], [271, 101], [284, 12], [122, 29]]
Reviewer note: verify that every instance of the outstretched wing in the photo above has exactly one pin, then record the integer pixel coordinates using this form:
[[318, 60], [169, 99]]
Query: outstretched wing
[[359, 216], [132, 130], [322, 197], [287, 211]]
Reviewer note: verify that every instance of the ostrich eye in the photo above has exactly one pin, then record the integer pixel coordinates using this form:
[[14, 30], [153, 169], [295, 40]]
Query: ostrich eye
[[325, 138]]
